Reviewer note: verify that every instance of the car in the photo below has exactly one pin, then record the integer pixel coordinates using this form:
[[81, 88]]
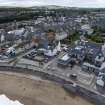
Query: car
[[46, 60], [64, 48], [2, 57], [73, 76], [33, 53]]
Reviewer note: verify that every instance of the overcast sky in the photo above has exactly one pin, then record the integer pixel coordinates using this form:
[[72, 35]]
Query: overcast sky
[[71, 3]]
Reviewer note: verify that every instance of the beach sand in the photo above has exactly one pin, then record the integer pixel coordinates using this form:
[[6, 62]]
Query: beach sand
[[36, 91]]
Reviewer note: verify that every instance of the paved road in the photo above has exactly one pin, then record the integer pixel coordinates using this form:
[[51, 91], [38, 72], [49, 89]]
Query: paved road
[[17, 58]]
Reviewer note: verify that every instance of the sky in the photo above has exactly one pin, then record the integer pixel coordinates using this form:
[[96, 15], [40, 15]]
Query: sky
[[70, 3]]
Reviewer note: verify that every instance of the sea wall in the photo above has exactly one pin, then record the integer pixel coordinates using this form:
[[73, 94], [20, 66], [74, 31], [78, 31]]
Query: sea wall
[[67, 85]]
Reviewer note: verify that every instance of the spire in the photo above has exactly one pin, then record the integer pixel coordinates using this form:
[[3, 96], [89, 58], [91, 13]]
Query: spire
[[59, 46]]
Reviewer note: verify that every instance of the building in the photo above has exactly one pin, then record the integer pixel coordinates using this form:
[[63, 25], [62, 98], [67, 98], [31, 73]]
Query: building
[[78, 53], [100, 82], [86, 29], [90, 68], [17, 32], [64, 60], [61, 36], [99, 60]]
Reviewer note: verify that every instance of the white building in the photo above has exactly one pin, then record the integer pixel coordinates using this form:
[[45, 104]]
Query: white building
[[59, 47], [87, 29], [100, 82], [2, 38], [103, 49], [17, 32], [10, 50], [61, 36], [50, 53], [53, 52]]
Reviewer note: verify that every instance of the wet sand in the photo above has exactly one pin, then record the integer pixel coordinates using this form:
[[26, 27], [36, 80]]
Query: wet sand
[[36, 91]]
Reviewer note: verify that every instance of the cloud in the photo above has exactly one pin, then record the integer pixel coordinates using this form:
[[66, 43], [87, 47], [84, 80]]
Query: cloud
[[88, 3], [71, 3], [21, 3]]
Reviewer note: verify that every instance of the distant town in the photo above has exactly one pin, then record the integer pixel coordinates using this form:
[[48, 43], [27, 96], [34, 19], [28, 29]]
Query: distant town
[[65, 42]]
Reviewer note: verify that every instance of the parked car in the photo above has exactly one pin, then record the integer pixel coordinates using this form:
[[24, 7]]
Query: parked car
[[73, 76]]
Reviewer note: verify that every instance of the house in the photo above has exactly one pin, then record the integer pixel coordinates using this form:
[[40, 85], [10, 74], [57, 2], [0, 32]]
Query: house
[[61, 36], [51, 52], [78, 52], [100, 81], [11, 51], [103, 49], [17, 32], [92, 51], [99, 60], [2, 38], [64, 60], [87, 29], [90, 68]]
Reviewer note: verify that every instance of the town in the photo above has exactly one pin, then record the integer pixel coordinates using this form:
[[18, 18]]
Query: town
[[70, 47]]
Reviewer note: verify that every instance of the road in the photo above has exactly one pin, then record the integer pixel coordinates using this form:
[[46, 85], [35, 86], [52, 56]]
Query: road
[[19, 56]]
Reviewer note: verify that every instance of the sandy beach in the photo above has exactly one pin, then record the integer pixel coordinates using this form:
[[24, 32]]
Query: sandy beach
[[35, 91]]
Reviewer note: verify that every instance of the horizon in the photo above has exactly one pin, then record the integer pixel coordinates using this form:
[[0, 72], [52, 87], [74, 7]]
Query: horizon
[[65, 3]]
